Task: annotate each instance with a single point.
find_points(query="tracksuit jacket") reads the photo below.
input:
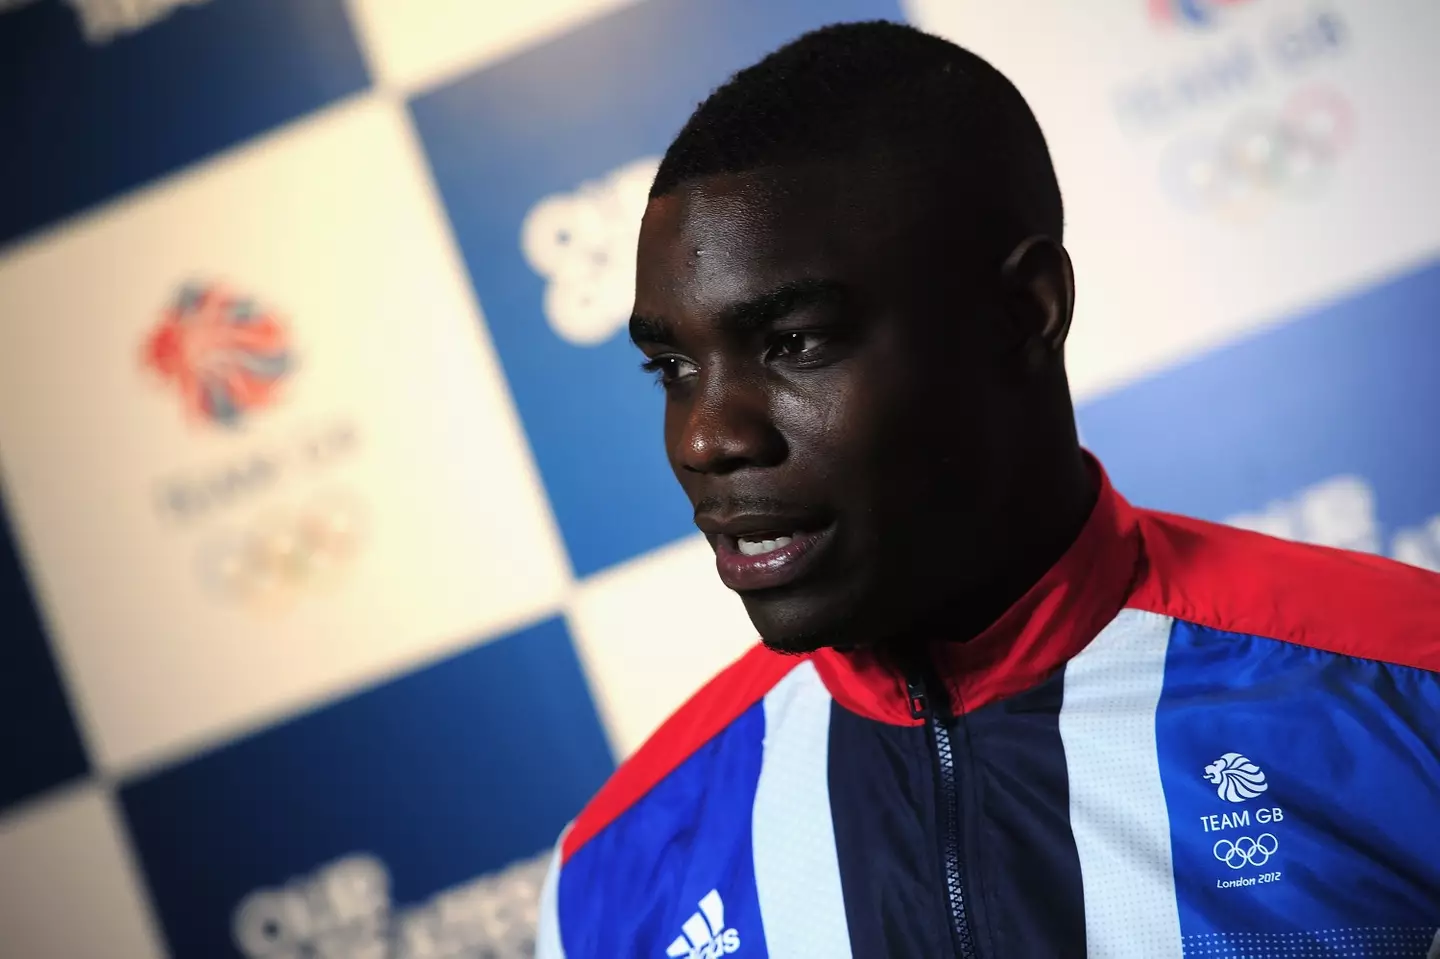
(1185, 740)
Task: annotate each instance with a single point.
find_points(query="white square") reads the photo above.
(651, 632)
(417, 43)
(175, 625)
(72, 888)
(1197, 226)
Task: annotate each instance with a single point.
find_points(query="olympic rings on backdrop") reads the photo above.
(283, 553)
(1261, 156)
(1246, 851)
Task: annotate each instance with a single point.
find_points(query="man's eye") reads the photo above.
(796, 344)
(669, 370)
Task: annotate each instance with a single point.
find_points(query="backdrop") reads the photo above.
(341, 563)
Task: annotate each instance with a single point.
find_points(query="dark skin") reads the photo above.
(841, 354)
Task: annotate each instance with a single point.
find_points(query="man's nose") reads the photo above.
(728, 427)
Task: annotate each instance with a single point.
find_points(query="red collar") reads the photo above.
(1052, 622)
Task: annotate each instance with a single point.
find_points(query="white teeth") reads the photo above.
(758, 547)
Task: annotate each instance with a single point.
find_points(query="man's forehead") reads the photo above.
(725, 237)
(717, 214)
(838, 190)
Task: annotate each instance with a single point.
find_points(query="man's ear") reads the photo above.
(1039, 285)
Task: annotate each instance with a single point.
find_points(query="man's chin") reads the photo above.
(786, 627)
(794, 645)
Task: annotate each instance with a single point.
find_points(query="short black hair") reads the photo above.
(849, 88)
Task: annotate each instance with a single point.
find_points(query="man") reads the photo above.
(998, 711)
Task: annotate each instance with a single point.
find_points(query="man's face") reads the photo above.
(827, 397)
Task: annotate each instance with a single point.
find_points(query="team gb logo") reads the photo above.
(1236, 778)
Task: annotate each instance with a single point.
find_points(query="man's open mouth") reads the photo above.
(765, 559)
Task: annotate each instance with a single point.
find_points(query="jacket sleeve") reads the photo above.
(547, 932)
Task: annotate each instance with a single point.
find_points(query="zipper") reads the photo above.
(963, 940)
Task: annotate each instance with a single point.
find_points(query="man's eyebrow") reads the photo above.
(759, 312)
(746, 317)
(649, 329)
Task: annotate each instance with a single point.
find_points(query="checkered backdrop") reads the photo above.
(340, 561)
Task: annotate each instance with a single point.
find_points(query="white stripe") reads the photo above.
(797, 873)
(1117, 804)
(547, 934)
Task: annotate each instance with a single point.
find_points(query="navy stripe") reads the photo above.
(882, 803)
(1022, 868)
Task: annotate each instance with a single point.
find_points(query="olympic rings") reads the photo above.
(273, 560)
(1246, 851)
(1261, 156)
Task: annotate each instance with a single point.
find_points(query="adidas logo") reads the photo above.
(705, 935)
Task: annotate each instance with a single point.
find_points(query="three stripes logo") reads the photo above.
(705, 935)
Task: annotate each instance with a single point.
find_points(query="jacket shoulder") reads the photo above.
(701, 718)
(1344, 602)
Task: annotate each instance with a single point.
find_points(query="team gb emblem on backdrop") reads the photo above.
(223, 354)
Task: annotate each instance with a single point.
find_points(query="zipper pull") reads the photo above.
(915, 690)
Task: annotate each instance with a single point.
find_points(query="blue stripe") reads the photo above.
(1340, 833)
(629, 890)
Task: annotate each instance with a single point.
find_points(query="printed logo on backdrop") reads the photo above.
(1190, 13)
(269, 563)
(405, 820)
(1342, 512)
(103, 20)
(223, 354)
(583, 244)
(1241, 122)
(1246, 837)
(228, 358)
(1261, 157)
(344, 910)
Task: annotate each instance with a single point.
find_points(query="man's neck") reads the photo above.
(1039, 524)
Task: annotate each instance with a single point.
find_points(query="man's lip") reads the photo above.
(779, 567)
(768, 525)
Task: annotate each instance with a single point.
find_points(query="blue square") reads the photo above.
(89, 120)
(1350, 389)
(544, 123)
(39, 744)
(439, 776)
